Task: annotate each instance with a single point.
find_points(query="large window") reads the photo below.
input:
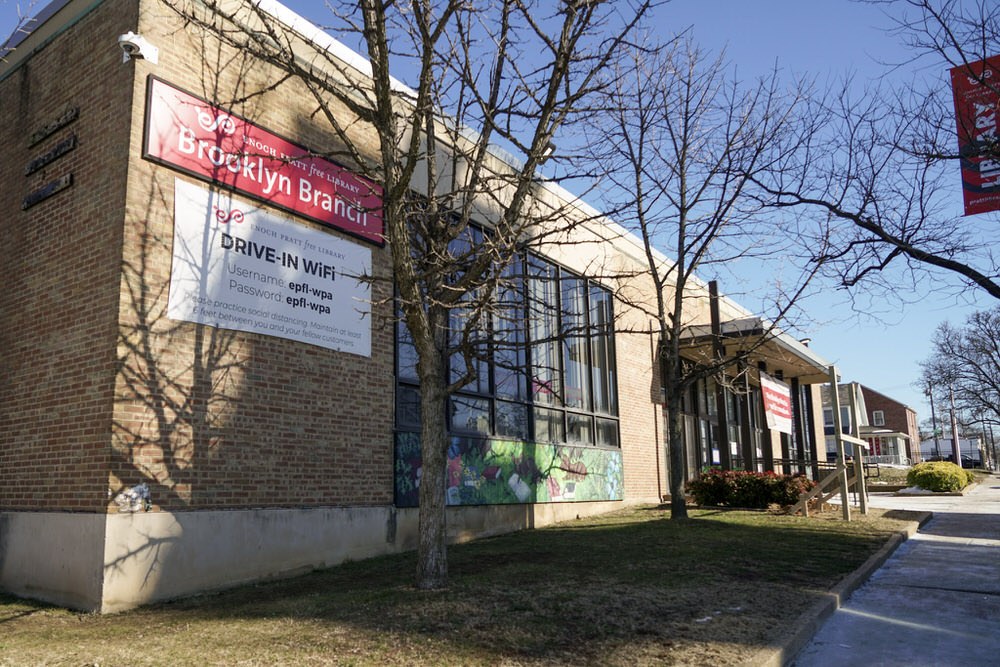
(544, 365)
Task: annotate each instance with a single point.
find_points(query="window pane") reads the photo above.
(406, 353)
(607, 432)
(470, 415)
(546, 387)
(602, 352)
(579, 429)
(474, 338)
(512, 420)
(407, 407)
(548, 425)
(510, 357)
(575, 363)
(574, 327)
(468, 330)
(711, 406)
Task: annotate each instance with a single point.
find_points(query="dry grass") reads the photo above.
(630, 588)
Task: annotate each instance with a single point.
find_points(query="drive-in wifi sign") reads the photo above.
(244, 267)
(208, 142)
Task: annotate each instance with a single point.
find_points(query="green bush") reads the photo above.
(738, 488)
(939, 476)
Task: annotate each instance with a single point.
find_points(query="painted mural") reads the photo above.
(494, 472)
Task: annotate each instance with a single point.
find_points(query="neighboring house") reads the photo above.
(889, 426)
(191, 401)
(853, 416)
(892, 430)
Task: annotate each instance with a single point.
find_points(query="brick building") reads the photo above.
(173, 418)
(893, 427)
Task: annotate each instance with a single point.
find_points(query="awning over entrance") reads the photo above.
(762, 342)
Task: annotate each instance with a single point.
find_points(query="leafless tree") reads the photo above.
(884, 180)
(967, 360)
(22, 25)
(482, 74)
(680, 142)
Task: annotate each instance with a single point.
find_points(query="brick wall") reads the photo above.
(898, 418)
(214, 418)
(59, 266)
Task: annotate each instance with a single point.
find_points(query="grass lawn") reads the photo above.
(629, 588)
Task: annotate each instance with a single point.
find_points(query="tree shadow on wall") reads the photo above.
(177, 382)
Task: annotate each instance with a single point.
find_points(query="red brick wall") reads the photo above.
(897, 417)
(59, 267)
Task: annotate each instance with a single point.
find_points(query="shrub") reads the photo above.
(791, 487)
(738, 488)
(939, 476)
(712, 487)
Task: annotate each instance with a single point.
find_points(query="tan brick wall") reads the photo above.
(60, 265)
(213, 418)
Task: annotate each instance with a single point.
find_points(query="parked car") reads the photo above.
(967, 461)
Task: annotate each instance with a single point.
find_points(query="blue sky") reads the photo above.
(826, 39)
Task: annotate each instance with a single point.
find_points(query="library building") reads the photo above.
(203, 386)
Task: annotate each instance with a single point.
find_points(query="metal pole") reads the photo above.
(937, 447)
(956, 449)
(993, 446)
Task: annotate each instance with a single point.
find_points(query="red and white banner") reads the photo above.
(977, 115)
(190, 134)
(777, 403)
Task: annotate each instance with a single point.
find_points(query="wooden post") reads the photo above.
(859, 450)
(845, 504)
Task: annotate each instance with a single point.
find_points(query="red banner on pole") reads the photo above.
(976, 87)
(190, 134)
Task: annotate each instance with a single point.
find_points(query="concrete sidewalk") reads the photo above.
(936, 601)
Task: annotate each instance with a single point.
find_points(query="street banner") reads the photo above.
(244, 267)
(777, 403)
(976, 87)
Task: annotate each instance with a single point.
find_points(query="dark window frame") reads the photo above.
(604, 424)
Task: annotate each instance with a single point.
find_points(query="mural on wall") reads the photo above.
(496, 472)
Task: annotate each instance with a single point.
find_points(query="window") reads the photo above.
(545, 369)
(845, 420)
(878, 418)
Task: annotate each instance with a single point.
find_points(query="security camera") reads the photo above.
(136, 46)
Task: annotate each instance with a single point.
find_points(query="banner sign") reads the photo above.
(978, 119)
(187, 133)
(777, 403)
(242, 267)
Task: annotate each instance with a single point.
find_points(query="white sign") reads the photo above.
(777, 403)
(239, 266)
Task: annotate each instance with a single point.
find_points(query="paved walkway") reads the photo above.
(936, 601)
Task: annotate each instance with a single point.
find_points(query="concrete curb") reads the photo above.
(809, 623)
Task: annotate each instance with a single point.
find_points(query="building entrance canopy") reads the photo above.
(759, 341)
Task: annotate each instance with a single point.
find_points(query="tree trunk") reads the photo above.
(678, 501)
(670, 365)
(432, 549)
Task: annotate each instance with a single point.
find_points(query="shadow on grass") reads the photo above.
(630, 587)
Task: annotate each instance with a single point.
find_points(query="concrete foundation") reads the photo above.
(113, 562)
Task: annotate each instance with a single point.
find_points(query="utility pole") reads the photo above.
(993, 447)
(956, 450)
(937, 447)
